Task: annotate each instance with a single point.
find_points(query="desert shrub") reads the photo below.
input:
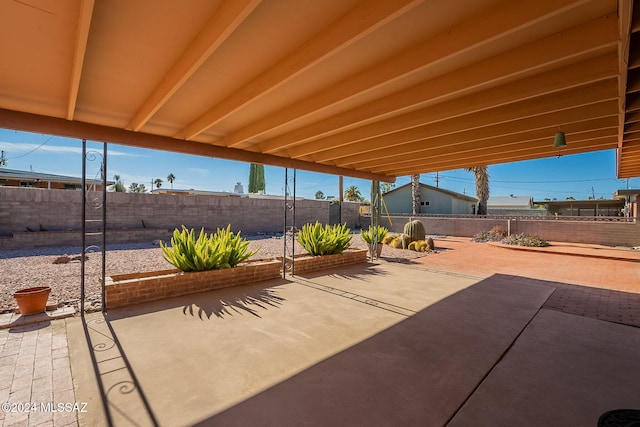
(413, 246)
(524, 239)
(222, 249)
(499, 230)
(487, 236)
(324, 240)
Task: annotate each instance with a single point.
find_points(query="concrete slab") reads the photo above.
(564, 370)
(348, 348)
(417, 372)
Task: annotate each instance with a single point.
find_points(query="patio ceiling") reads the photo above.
(372, 89)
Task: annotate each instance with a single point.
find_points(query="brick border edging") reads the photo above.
(307, 263)
(568, 253)
(130, 289)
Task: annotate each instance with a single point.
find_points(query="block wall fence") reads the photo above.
(610, 233)
(59, 212)
(144, 217)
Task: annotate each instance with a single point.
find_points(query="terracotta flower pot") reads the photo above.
(32, 300)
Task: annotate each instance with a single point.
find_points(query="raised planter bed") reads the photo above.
(128, 289)
(306, 263)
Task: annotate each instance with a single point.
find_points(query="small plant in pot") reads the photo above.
(374, 237)
(32, 300)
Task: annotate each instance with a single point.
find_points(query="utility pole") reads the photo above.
(437, 179)
(593, 194)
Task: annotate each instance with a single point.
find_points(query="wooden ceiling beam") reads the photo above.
(544, 106)
(468, 141)
(357, 23)
(625, 15)
(566, 77)
(427, 165)
(82, 36)
(224, 21)
(27, 122)
(472, 34)
(461, 109)
(491, 148)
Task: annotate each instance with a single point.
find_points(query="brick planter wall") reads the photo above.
(128, 289)
(306, 263)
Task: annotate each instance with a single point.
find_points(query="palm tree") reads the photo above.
(352, 194)
(482, 187)
(158, 182)
(415, 193)
(118, 187)
(171, 177)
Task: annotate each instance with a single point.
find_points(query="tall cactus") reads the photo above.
(415, 230)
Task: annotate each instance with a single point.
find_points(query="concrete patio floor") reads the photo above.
(385, 344)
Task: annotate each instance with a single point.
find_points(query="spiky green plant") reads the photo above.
(324, 240)
(223, 249)
(374, 234)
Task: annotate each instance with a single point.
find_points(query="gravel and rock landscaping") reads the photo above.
(29, 268)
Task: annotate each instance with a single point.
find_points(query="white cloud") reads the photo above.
(200, 171)
(17, 149)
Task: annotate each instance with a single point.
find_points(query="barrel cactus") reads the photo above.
(396, 243)
(415, 230)
(430, 244)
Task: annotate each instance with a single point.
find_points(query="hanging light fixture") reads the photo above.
(560, 140)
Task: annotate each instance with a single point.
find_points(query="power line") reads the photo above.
(29, 152)
(531, 182)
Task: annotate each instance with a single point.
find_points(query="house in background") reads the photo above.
(512, 205)
(18, 178)
(599, 207)
(632, 199)
(433, 200)
(510, 202)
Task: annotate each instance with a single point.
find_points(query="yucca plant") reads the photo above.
(223, 249)
(374, 234)
(324, 240)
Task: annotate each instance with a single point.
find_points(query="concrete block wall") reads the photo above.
(610, 233)
(61, 211)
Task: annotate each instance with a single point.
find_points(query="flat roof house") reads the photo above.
(18, 178)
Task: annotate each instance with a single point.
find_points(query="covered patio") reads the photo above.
(373, 89)
(378, 344)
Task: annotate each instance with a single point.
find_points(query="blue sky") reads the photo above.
(579, 176)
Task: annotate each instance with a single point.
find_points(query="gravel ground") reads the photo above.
(29, 268)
